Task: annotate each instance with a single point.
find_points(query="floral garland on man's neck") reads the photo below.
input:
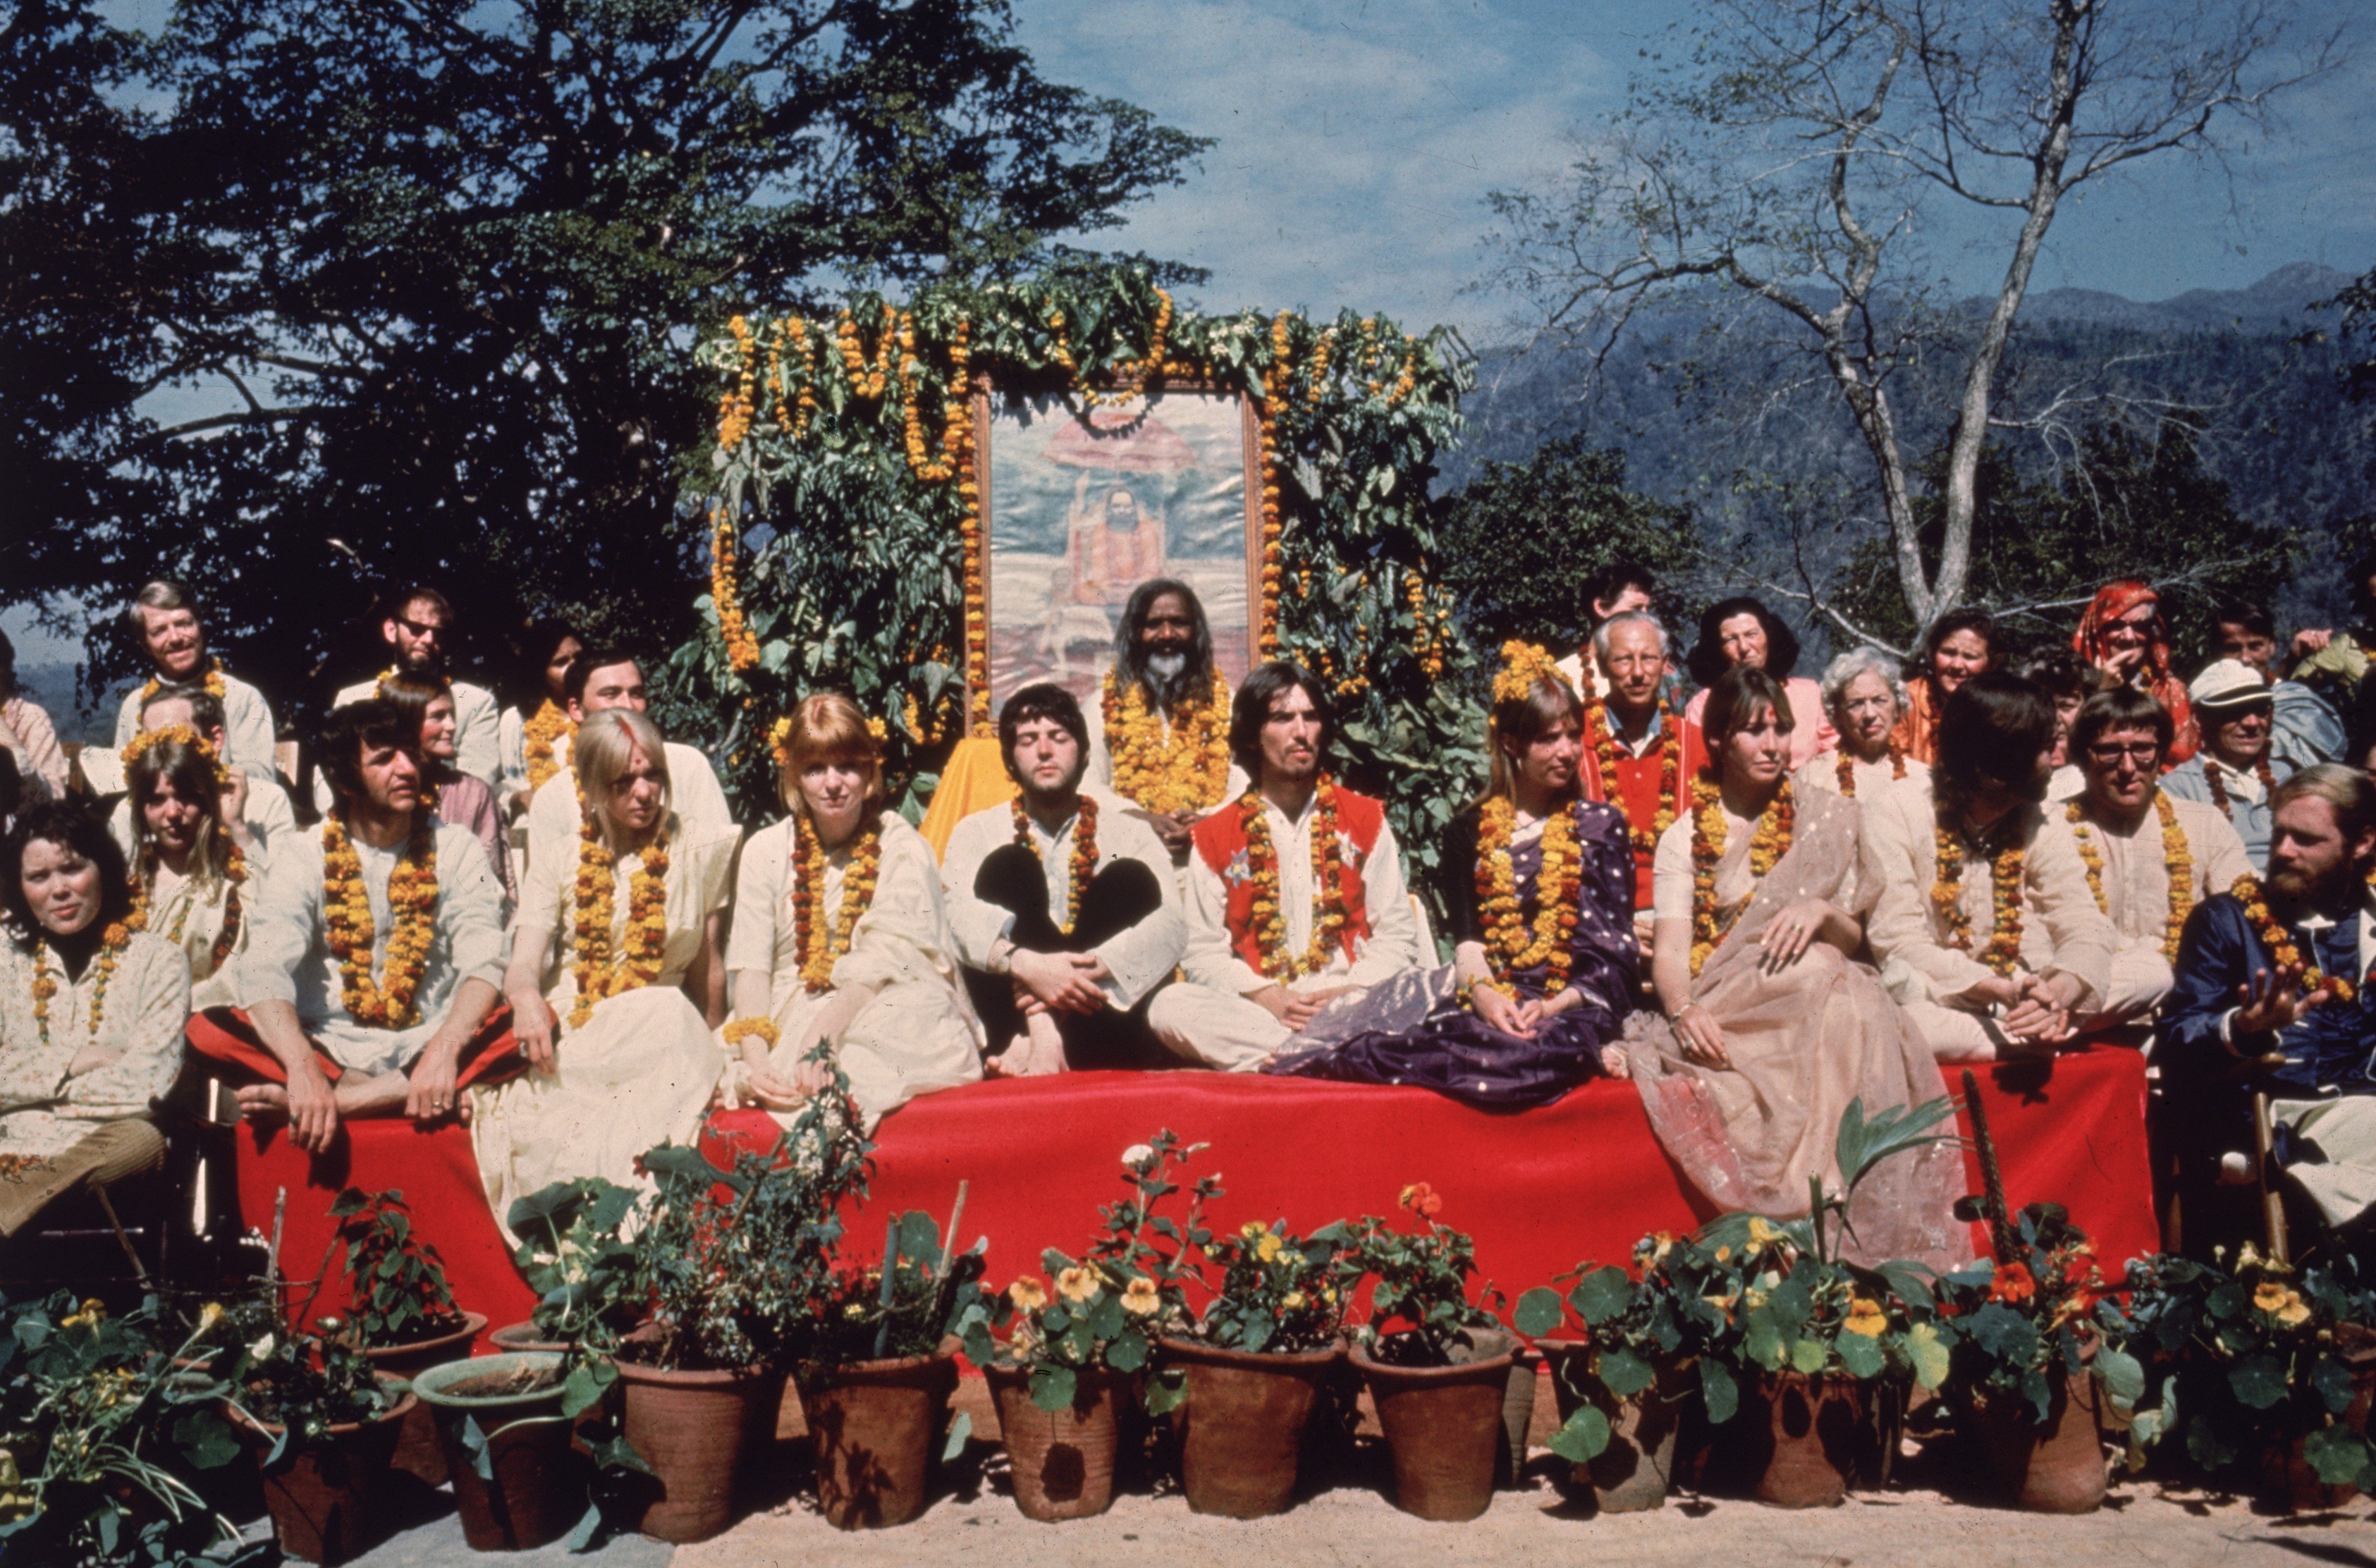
(1510, 948)
(2219, 797)
(1600, 733)
(820, 945)
(1084, 855)
(541, 735)
(1846, 767)
(1185, 770)
(2286, 958)
(1328, 886)
(2175, 854)
(639, 963)
(1768, 844)
(2002, 953)
(388, 1002)
(212, 684)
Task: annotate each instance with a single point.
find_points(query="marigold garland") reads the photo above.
(388, 1002)
(211, 683)
(739, 403)
(1511, 947)
(956, 415)
(638, 961)
(112, 943)
(821, 947)
(1328, 886)
(1845, 768)
(1186, 769)
(234, 875)
(869, 375)
(2175, 854)
(1767, 844)
(1525, 665)
(2279, 943)
(742, 1029)
(2219, 796)
(2002, 952)
(176, 734)
(742, 648)
(1601, 734)
(541, 734)
(1084, 866)
(1274, 399)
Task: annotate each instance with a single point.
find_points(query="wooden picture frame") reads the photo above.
(1045, 635)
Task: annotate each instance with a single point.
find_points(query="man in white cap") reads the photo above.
(2234, 770)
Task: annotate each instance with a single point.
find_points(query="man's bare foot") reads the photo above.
(1036, 1052)
(264, 1104)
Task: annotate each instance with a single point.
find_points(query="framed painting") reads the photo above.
(1081, 506)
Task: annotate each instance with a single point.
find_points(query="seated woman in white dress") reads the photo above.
(1766, 1025)
(621, 1056)
(840, 936)
(91, 1012)
(193, 869)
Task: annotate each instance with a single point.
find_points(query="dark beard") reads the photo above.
(2306, 892)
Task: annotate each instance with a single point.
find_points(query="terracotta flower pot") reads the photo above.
(2290, 1484)
(419, 1450)
(1062, 1461)
(538, 1489)
(1634, 1474)
(877, 1426)
(323, 1497)
(1444, 1427)
(1809, 1432)
(514, 1338)
(2055, 1466)
(1241, 1429)
(691, 1429)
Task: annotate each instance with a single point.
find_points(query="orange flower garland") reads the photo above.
(795, 406)
(870, 378)
(639, 963)
(2279, 943)
(1084, 855)
(544, 728)
(1328, 886)
(1846, 767)
(820, 946)
(2176, 857)
(2002, 953)
(211, 683)
(176, 734)
(2219, 796)
(739, 403)
(1510, 947)
(954, 411)
(1186, 770)
(742, 648)
(1274, 399)
(1768, 844)
(1602, 736)
(387, 1003)
(112, 943)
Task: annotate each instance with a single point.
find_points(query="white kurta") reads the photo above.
(1824, 773)
(248, 724)
(2136, 891)
(53, 1097)
(640, 1071)
(287, 956)
(1209, 1017)
(190, 915)
(695, 796)
(1136, 960)
(918, 1033)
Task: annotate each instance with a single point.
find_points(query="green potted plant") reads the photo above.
(2265, 1372)
(1826, 1345)
(107, 1433)
(876, 1368)
(1257, 1364)
(2037, 1357)
(1437, 1363)
(399, 1312)
(519, 1478)
(1077, 1345)
(1622, 1385)
(572, 1255)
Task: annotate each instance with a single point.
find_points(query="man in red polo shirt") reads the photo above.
(1638, 758)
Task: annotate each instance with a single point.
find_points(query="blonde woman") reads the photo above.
(194, 866)
(840, 935)
(612, 947)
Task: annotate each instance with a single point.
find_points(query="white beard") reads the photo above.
(1167, 666)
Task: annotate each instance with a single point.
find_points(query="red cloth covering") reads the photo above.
(1540, 1191)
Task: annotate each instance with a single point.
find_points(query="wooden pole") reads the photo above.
(2273, 1202)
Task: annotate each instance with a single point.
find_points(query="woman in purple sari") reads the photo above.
(1538, 885)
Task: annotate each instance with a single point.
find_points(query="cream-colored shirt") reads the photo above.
(54, 1095)
(1136, 960)
(40, 761)
(1390, 947)
(2062, 931)
(699, 859)
(1824, 773)
(248, 724)
(902, 936)
(2136, 865)
(694, 795)
(266, 815)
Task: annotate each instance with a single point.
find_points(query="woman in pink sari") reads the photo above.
(1768, 1026)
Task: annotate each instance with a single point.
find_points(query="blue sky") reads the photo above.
(1356, 139)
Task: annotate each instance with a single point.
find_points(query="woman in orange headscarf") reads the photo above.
(2123, 638)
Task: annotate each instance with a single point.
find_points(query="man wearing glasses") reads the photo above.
(416, 623)
(2150, 858)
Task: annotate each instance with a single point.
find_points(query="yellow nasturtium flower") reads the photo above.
(1866, 1317)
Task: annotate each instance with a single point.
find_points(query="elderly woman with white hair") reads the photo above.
(1865, 697)
(620, 1055)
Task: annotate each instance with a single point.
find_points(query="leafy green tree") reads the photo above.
(1522, 543)
(449, 260)
(2121, 507)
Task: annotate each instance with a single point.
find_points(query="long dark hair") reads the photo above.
(1195, 680)
(1706, 660)
(1250, 710)
(409, 692)
(537, 644)
(193, 778)
(1740, 697)
(1993, 721)
(1946, 627)
(61, 822)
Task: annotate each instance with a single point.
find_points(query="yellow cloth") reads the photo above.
(975, 780)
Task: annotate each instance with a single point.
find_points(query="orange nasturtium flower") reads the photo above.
(2014, 1283)
(1420, 1198)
